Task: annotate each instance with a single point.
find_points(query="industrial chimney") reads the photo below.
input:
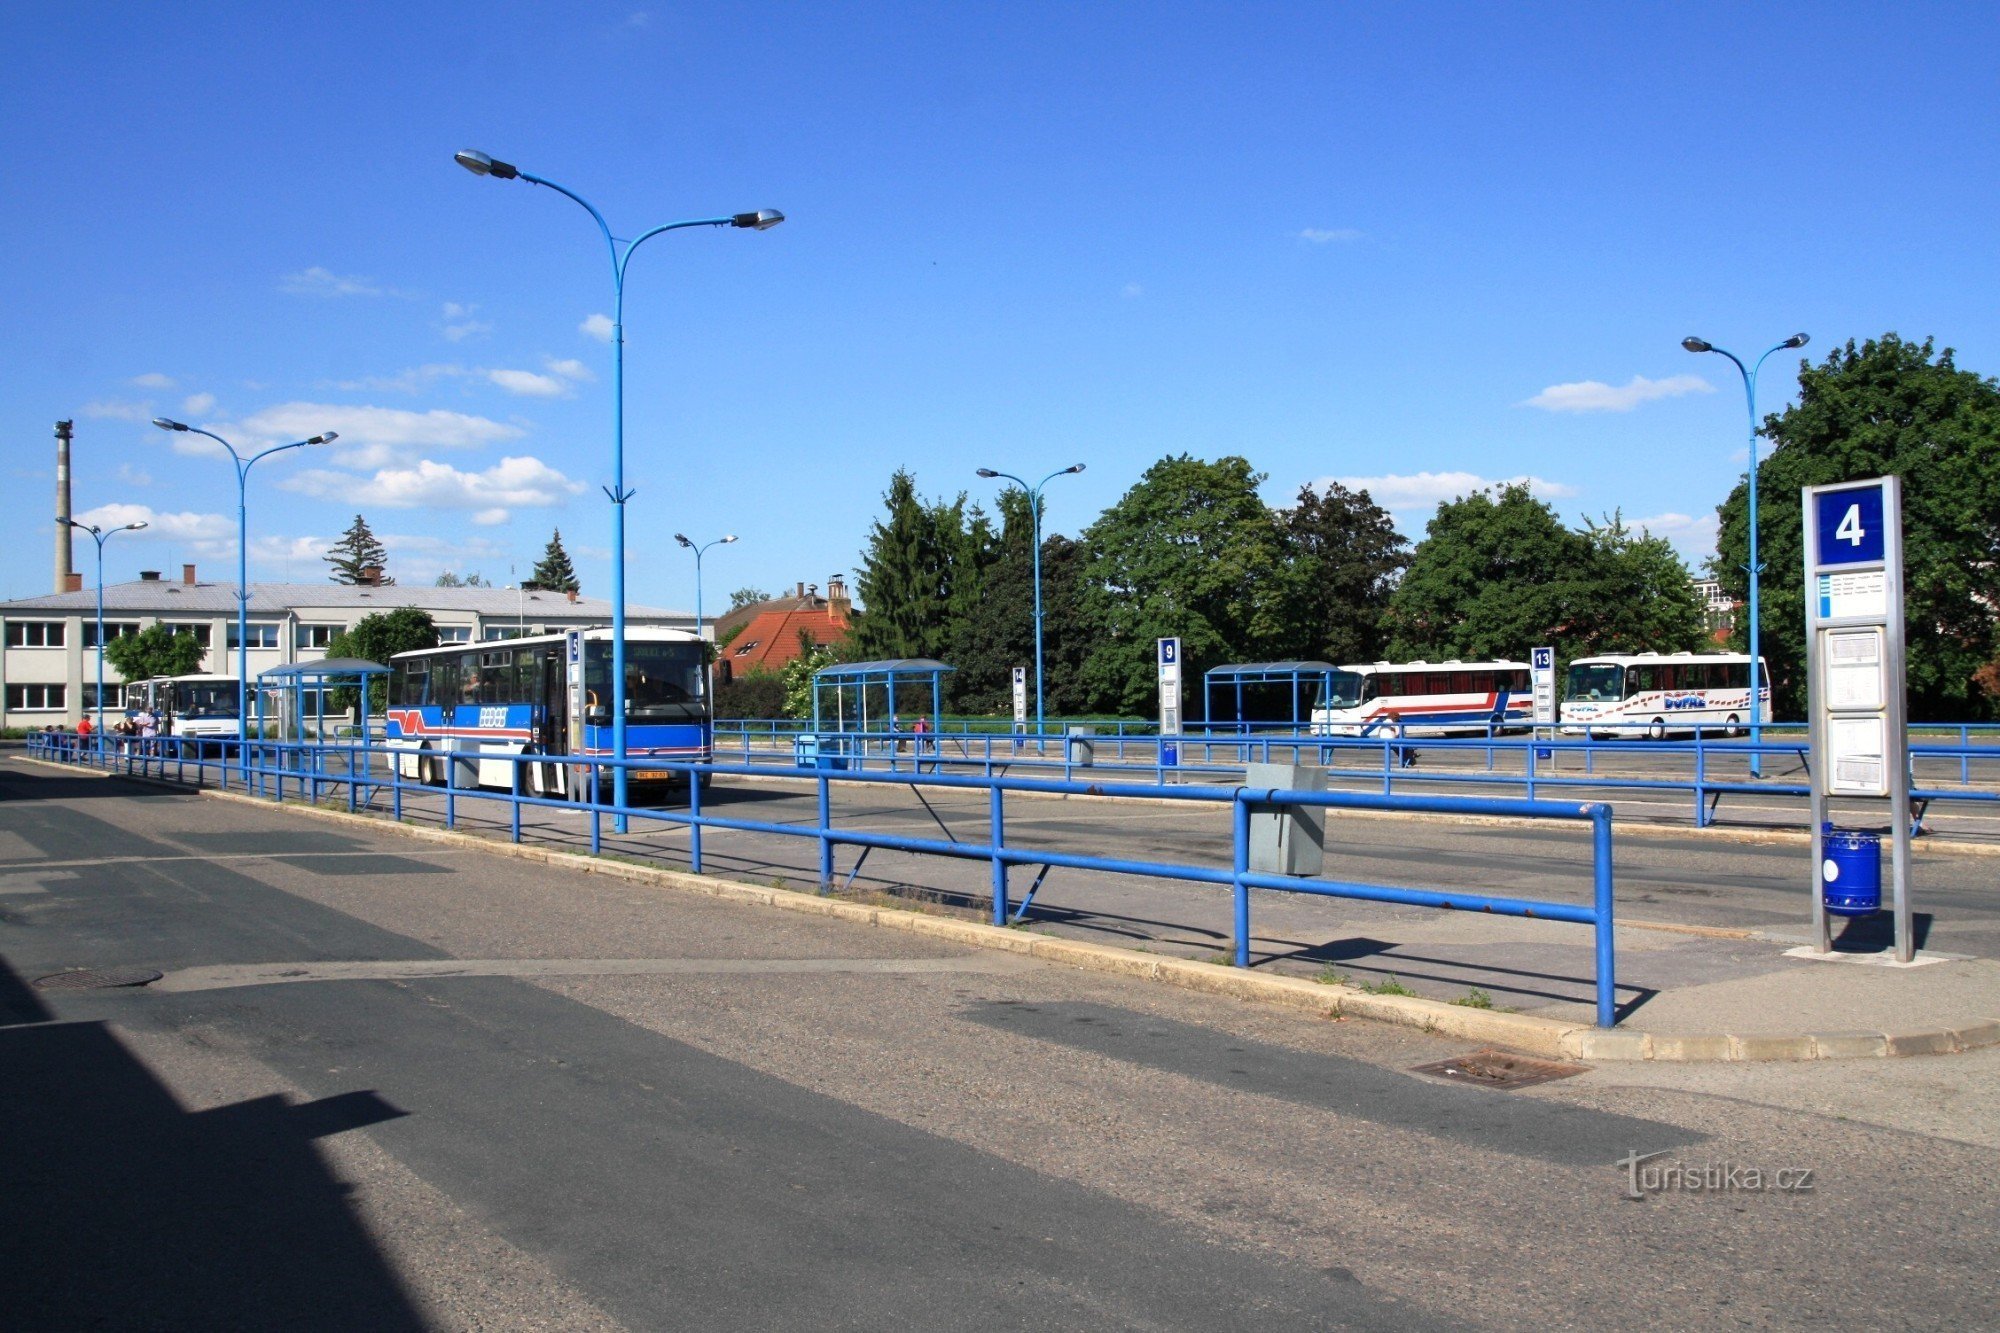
(64, 567)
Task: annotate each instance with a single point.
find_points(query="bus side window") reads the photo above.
(1638, 680)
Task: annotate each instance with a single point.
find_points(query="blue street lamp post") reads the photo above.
(1035, 511)
(1755, 569)
(479, 164)
(243, 466)
(707, 684)
(102, 535)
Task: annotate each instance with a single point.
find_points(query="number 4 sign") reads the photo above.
(1850, 526)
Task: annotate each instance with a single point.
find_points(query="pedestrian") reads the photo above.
(920, 728)
(147, 724)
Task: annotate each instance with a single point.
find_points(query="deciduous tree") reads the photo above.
(154, 651)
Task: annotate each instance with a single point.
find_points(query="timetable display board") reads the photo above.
(1855, 670)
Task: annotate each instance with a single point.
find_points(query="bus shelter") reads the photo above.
(1298, 683)
(854, 700)
(300, 689)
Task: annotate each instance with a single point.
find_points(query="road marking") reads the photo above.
(228, 975)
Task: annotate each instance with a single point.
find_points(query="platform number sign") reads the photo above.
(1545, 659)
(1850, 526)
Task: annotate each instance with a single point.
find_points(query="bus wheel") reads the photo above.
(428, 771)
(1658, 731)
(1735, 727)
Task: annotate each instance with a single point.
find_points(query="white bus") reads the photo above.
(194, 705)
(1653, 694)
(1425, 699)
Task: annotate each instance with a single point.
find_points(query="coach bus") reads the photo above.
(1654, 694)
(1425, 699)
(459, 712)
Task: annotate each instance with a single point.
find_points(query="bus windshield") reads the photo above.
(1601, 682)
(662, 680)
(216, 699)
(1342, 689)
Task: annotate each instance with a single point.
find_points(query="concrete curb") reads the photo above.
(1549, 1038)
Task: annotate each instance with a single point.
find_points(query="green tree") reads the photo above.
(355, 553)
(448, 579)
(1070, 631)
(1638, 595)
(1495, 575)
(553, 572)
(377, 638)
(1886, 406)
(907, 575)
(1348, 554)
(798, 675)
(743, 597)
(1191, 551)
(754, 694)
(154, 651)
(997, 633)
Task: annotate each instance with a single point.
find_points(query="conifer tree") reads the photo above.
(357, 551)
(553, 572)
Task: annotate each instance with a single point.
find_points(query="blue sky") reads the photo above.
(1423, 247)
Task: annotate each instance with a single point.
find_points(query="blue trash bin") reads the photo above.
(1851, 874)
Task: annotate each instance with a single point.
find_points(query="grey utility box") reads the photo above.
(1082, 747)
(1286, 839)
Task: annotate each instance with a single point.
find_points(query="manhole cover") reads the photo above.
(101, 978)
(1498, 1069)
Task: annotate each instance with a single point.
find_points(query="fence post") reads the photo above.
(596, 814)
(997, 835)
(694, 826)
(1607, 951)
(514, 793)
(1240, 810)
(825, 828)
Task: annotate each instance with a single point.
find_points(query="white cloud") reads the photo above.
(1413, 490)
(528, 383)
(186, 526)
(459, 323)
(597, 326)
(317, 281)
(512, 483)
(374, 437)
(279, 550)
(1596, 396)
(153, 379)
(1328, 235)
(1694, 535)
(570, 369)
(198, 404)
(113, 411)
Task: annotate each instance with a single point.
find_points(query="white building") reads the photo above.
(48, 670)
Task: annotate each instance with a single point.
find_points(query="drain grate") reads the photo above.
(99, 978)
(1497, 1069)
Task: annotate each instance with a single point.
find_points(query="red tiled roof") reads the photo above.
(771, 639)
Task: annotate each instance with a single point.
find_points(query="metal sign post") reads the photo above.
(1020, 698)
(1170, 703)
(1543, 662)
(1855, 674)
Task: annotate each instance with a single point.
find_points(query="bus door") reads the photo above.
(553, 693)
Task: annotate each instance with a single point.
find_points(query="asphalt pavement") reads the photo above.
(383, 1083)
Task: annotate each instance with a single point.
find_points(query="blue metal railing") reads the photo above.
(311, 768)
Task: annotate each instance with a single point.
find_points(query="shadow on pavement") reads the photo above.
(122, 1209)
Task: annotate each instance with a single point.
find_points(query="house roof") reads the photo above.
(165, 597)
(771, 639)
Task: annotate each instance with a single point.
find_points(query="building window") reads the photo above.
(199, 631)
(261, 636)
(454, 634)
(495, 633)
(744, 651)
(36, 698)
(34, 634)
(317, 636)
(113, 629)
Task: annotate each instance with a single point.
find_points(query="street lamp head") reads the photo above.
(1077, 468)
(681, 537)
(165, 424)
(730, 538)
(1696, 345)
(132, 527)
(762, 220)
(1797, 340)
(988, 473)
(327, 438)
(479, 164)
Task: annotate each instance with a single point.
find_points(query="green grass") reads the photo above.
(1474, 999)
(1388, 986)
(1326, 976)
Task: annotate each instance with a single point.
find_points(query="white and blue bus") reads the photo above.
(1652, 694)
(194, 705)
(1425, 699)
(459, 712)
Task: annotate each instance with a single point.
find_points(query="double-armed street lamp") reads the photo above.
(243, 466)
(763, 219)
(1034, 494)
(707, 692)
(102, 535)
(1749, 375)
